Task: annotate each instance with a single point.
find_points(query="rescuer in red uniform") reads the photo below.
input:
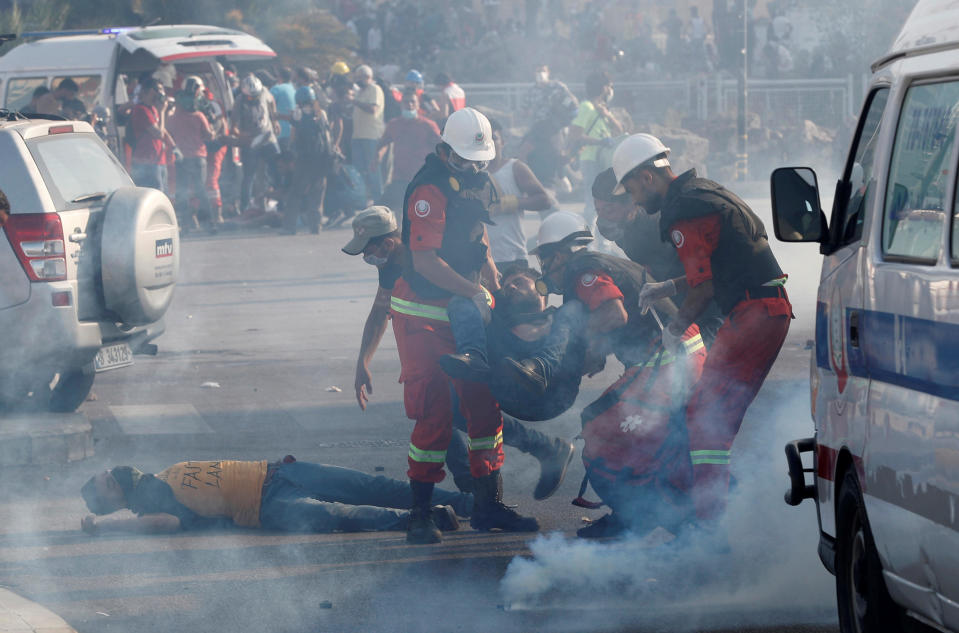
(725, 252)
(444, 212)
(635, 439)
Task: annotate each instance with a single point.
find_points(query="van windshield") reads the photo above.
(75, 166)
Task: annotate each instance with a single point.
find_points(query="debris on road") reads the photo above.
(210, 385)
(326, 604)
(379, 469)
(333, 389)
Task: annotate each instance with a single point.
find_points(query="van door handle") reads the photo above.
(78, 237)
(854, 328)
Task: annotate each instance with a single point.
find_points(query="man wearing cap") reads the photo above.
(445, 210)
(376, 236)
(726, 256)
(636, 231)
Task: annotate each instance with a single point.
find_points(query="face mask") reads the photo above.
(609, 95)
(542, 77)
(408, 114)
(610, 230)
(466, 166)
(373, 260)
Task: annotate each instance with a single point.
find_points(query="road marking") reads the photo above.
(156, 419)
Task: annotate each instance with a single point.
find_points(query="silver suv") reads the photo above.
(88, 263)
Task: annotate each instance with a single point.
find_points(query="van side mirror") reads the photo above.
(797, 214)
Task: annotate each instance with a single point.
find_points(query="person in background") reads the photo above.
(284, 94)
(367, 129)
(412, 137)
(287, 495)
(340, 114)
(312, 163)
(149, 136)
(591, 130)
(550, 107)
(415, 82)
(520, 191)
(452, 97)
(253, 127)
(51, 102)
(74, 110)
(38, 93)
(191, 131)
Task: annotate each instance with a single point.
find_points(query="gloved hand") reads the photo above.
(652, 292)
(484, 303)
(672, 341)
(177, 154)
(507, 205)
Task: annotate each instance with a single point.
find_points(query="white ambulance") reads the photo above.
(885, 371)
(103, 62)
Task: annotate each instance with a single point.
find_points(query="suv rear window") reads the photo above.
(75, 165)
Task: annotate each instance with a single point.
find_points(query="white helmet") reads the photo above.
(562, 229)
(468, 132)
(638, 149)
(251, 85)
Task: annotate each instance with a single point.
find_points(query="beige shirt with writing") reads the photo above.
(225, 488)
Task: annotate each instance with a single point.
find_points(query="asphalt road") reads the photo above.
(258, 362)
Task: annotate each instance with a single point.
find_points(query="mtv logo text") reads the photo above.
(164, 247)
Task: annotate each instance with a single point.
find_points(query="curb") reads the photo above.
(19, 615)
(44, 439)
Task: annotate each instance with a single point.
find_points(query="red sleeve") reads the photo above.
(140, 120)
(695, 240)
(427, 216)
(435, 128)
(595, 289)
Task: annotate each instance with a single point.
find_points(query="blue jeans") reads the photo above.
(364, 152)
(305, 497)
(149, 175)
(191, 183)
(469, 329)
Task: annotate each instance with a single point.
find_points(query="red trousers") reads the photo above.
(745, 348)
(422, 336)
(214, 168)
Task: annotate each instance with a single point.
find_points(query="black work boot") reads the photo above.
(529, 373)
(489, 513)
(554, 459)
(421, 529)
(469, 366)
(444, 517)
(607, 526)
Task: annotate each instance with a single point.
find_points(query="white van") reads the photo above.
(101, 62)
(885, 371)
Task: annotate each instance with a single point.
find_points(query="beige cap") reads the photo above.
(368, 224)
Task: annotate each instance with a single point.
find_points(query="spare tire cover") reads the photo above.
(139, 254)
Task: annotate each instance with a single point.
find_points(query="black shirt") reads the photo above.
(389, 273)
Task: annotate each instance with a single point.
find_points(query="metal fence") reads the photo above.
(827, 102)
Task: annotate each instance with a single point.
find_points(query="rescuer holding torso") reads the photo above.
(444, 212)
(725, 253)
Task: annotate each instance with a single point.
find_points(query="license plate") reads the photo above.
(113, 356)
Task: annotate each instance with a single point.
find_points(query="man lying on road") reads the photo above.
(289, 496)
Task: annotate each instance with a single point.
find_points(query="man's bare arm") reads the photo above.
(610, 315)
(696, 301)
(160, 523)
(373, 332)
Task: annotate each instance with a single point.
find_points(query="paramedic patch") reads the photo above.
(588, 280)
(421, 208)
(678, 238)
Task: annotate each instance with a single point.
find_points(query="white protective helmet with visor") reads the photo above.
(638, 150)
(468, 133)
(561, 229)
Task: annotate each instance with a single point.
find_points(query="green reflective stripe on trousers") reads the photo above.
(419, 455)
(485, 443)
(692, 346)
(403, 306)
(719, 458)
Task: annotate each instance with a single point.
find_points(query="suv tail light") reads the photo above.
(37, 239)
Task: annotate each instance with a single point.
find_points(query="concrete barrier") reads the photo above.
(44, 439)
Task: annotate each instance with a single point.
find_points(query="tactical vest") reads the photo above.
(468, 197)
(742, 260)
(631, 342)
